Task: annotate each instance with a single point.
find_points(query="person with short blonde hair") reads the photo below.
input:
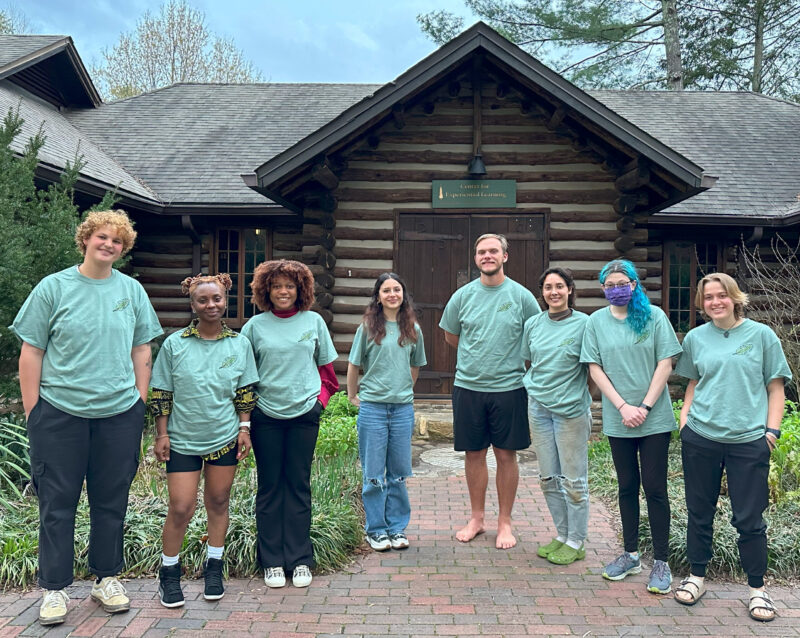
(731, 419)
(84, 368)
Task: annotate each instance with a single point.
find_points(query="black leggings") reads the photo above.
(649, 470)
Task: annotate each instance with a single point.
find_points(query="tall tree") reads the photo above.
(717, 44)
(174, 45)
(13, 20)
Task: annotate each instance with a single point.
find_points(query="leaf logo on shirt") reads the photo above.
(567, 342)
(227, 363)
(642, 337)
(744, 349)
(306, 336)
(122, 304)
(505, 306)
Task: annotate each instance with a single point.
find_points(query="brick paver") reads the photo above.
(438, 587)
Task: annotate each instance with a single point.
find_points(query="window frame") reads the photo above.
(239, 320)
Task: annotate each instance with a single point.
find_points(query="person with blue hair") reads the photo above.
(629, 346)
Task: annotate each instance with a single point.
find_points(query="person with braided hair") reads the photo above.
(202, 393)
(629, 347)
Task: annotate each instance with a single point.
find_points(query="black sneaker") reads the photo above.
(169, 586)
(212, 574)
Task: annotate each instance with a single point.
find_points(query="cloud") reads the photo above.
(357, 36)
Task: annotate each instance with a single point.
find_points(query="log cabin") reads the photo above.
(359, 179)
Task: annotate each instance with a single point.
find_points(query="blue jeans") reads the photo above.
(384, 445)
(562, 451)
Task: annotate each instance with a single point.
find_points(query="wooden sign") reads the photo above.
(474, 193)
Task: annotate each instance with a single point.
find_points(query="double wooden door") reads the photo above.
(435, 257)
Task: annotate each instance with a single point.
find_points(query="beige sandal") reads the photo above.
(694, 587)
(761, 600)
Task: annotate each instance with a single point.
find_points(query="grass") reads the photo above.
(782, 515)
(336, 525)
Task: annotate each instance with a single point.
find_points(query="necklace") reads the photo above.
(726, 332)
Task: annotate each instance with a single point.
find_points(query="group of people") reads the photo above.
(85, 371)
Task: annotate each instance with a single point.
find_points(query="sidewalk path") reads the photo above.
(436, 587)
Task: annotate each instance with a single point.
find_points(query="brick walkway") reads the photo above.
(437, 587)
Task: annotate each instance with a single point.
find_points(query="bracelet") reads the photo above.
(645, 406)
(161, 436)
(244, 431)
(774, 432)
(244, 424)
(622, 405)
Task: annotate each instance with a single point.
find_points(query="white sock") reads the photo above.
(214, 552)
(634, 555)
(574, 544)
(561, 539)
(169, 561)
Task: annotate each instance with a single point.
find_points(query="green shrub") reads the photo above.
(782, 515)
(15, 464)
(336, 514)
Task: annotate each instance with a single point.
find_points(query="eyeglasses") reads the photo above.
(619, 285)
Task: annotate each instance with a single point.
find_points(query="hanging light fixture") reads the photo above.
(476, 166)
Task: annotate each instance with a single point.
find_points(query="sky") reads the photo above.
(287, 40)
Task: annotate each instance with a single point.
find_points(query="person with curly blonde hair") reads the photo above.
(84, 369)
(294, 354)
(203, 391)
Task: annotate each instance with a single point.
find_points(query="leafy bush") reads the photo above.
(782, 515)
(336, 514)
(15, 465)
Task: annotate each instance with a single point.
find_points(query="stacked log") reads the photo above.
(317, 251)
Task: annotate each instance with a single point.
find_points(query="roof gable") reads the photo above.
(49, 67)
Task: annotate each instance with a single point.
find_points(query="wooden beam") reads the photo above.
(633, 179)
(321, 217)
(398, 116)
(558, 116)
(626, 204)
(322, 200)
(323, 174)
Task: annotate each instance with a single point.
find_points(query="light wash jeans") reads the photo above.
(384, 445)
(562, 451)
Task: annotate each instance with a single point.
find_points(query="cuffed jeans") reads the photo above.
(747, 467)
(561, 446)
(64, 450)
(384, 445)
(284, 449)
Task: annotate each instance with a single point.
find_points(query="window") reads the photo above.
(239, 251)
(686, 263)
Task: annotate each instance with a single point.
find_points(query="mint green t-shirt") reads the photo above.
(489, 321)
(730, 398)
(203, 376)
(87, 328)
(557, 379)
(288, 353)
(387, 367)
(629, 361)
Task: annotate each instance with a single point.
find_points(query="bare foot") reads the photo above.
(505, 539)
(470, 530)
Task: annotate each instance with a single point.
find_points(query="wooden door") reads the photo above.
(434, 256)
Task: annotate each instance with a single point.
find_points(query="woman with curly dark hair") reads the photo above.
(202, 394)
(388, 346)
(294, 353)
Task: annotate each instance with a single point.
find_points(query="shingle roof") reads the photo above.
(64, 142)
(192, 142)
(751, 142)
(14, 47)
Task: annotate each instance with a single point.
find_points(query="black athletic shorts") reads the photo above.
(496, 418)
(192, 463)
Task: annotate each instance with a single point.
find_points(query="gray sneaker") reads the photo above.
(622, 566)
(660, 578)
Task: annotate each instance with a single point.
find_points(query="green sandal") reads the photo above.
(566, 555)
(545, 550)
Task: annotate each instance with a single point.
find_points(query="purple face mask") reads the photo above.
(618, 296)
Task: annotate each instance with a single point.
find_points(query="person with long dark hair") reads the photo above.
(731, 419)
(388, 346)
(83, 372)
(294, 353)
(629, 347)
(559, 413)
(202, 393)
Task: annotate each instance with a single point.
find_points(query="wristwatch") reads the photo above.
(774, 432)
(645, 406)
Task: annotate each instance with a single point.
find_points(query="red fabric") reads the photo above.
(330, 384)
(285, 314)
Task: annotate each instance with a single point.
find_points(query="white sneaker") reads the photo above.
(379, 542)
(274, 577)
(54, 607)
(301, 577)
(111, 595)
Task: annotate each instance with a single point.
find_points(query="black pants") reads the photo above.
(643, 461)
(284, 449)
(747, 467)
(64, 450)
